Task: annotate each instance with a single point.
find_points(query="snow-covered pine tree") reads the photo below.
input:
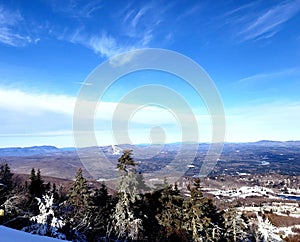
(77, 213)
(267, 232)
(200, 216)
(100, 210)
(125, 222)
(235, 227)
(46, 223)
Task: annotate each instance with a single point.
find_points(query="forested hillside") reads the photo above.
(87, 211)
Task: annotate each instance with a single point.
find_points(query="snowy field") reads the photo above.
(245, 191)
(12, 235)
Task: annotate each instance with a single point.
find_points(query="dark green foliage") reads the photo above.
(100, 211)
(77, 214)
(87, 211)
(6, 176)
(55, 193)
(236, 227)
(169, 214)
(201, 217)
(36, 187)
(6, 183)
(126, 161)
(100, 197)
(79, 192)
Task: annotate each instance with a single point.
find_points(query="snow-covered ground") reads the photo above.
(12, 235)
(245, 191)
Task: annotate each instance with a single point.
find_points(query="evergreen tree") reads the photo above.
(125, 220)
(55, 193)
(235, 227)
(6, 183)
(6, 176)
(200, 215)
(100, 197)
(100, 210)
(36, 186)
(79, 192)
(77, 214)
(46, 222)
(169, 214)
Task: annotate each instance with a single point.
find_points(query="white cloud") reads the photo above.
(264, 77)
(135, 30)
(269, 23)
(190, 12)
(240, 8)
(106, 45)
(42, 117)
(9, 18)
(83, 83)
(10, 33)
(47, 119)
(273, 121)
(123, 59)
(135, 20)
(35, 103)
(32, 114)
(77, 9)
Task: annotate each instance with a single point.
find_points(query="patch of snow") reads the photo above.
(243, 174)
(244, 192)
(116, 150)
(191, 166)
(12, 235)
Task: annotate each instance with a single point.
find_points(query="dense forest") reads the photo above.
(132, 212)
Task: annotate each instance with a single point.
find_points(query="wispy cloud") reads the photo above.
(132, 27)
(135, 31)
(105, 45)
(77, 8)
(141, 22)
(123, 59)
(255, 25)
(264, 77)
(190, 11)
(240, 8)
(10, 37)
(83, 83)
(268, 86)
(10, 33)
(140, 13)
(268, 24)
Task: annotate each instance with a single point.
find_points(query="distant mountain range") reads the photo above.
(47, 149)
(262, 157)
(28, 151)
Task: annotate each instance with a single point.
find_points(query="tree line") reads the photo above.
(131, 213)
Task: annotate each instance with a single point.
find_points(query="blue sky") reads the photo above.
(251, 50)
